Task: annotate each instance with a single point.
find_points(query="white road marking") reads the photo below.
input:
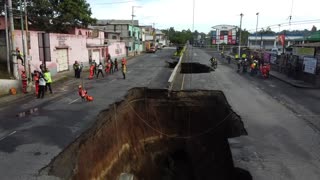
(74, 100)
(194, 54)
(112, 80)
(128, 72)
(8, 135)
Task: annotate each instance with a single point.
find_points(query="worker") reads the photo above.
(92, 67)
(19, 56)
(124, 61)
(100, 68)
(108, 67)
(42, 86)
(36, 81)
(84, 94)
(116, 65)
(244, 56)
(236, 57)
(47, 77)
(124, 70)
(24, 82)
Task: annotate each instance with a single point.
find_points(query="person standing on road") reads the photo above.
(36, 81)
(76, 68)
(24, 82)
(116, 64)
(95, 67)
(42, 85)
(100, 68)
(124, 70)
(47, 77)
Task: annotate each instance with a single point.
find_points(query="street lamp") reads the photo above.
(240, 34)
(257, 28)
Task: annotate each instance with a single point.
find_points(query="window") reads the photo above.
(114, 37)
(129, 33)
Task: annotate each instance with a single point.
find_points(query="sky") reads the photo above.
(208, 13)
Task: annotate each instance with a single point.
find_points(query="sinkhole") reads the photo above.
(153, 134)
(195, 67)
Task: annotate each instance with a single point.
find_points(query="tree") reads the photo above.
(55, 15)
(314, 28)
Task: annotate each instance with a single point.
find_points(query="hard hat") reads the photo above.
(80, 86)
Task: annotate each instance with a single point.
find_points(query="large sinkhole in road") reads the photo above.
(154, 134)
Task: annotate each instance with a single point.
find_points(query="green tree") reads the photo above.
(55, 15)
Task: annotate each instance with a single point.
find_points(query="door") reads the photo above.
(96, 56)
(62, 60)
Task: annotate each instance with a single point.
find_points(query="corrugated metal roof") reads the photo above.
(316, 44)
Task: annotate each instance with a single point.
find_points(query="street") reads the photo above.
(282, 121)
(29, 143)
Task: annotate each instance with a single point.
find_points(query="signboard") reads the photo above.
(309, 65)
(299, 51)
(214, 41)
(273, 58)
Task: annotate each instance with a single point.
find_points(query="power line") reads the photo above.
(288, 24)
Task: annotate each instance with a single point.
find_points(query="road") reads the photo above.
(28, 143)
(283, 139)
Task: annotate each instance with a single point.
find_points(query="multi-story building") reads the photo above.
(129, 31)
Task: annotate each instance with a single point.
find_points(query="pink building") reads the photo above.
(62, 50)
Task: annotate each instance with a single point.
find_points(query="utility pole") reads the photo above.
(13, 52)
(7, 38)
(193, 15)
(23, 42)
(27, 38)
(132, 28)
(257, 28)
(240, 35)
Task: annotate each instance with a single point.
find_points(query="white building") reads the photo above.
(272, 41)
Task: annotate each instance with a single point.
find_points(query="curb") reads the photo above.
(175, 70)
(294, 85)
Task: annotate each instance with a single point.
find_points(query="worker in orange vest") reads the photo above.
(92, 69)
(24, 82)
(36, 81)
(124, 61)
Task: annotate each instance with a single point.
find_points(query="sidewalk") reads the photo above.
(61, 77)
(292, 82)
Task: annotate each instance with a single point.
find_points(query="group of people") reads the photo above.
(255, 65)
(42, 81)
(109, 68)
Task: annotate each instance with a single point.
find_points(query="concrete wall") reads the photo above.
(117, 50)
(6, 84)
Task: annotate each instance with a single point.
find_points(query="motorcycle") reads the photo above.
(214, 63)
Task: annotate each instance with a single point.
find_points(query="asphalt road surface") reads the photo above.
(28, 143)
(282, 121)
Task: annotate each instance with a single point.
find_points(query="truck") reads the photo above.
(150, 47)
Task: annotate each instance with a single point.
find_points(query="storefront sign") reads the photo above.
(299, 51)
(309, 65)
